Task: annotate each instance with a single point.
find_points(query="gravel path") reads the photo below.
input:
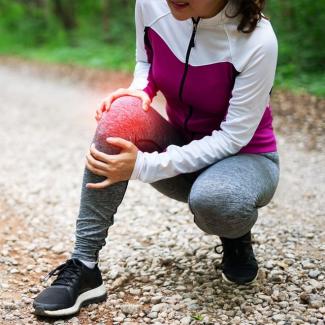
(157, 265)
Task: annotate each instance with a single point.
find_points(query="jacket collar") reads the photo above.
(219, 18)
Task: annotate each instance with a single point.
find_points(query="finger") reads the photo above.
(146, 101)
(101, 155)
(96, 163)
(120, 142)
(104, 157)
(96, 171)
(109, 99)
(103, 107)
(100, 185)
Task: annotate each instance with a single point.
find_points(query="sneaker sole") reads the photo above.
(244, 283)
(98, 294)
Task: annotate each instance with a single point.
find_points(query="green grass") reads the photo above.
(313, 83)
(88, 52)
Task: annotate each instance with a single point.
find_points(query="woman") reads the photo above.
(214, 61)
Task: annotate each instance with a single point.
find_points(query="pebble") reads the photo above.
(186, 320)
(130, 308)
(58, 248)
(313, 274)
(153, 315)
(156, 299)
(158, 307)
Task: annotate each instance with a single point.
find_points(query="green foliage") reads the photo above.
(299, 27)
(101, 34)
(198, 317)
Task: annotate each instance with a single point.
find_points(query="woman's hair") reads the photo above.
(250, 12)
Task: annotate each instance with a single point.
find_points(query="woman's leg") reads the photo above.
(149, 131)
(226, 196)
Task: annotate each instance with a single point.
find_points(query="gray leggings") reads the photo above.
(223, 197)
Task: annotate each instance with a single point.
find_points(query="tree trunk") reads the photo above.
(64, 10)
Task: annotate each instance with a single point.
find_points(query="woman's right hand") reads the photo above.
(106, 104)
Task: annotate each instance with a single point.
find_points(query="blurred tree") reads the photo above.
(106, 7)
(65, 11)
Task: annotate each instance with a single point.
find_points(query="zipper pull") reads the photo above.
(195, 23)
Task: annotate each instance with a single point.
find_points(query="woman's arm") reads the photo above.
(142, 73)
(250, 97)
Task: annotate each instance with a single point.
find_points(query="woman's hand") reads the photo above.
(106, 104)
(115, 167)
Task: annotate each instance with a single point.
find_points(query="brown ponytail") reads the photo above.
(250, 12)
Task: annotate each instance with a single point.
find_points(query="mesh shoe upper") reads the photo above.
(73, 278)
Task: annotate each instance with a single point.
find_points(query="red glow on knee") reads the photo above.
(127, 119)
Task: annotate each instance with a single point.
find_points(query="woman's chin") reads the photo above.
(179, 16)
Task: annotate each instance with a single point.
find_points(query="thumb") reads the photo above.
(120, 142)
(146, 101)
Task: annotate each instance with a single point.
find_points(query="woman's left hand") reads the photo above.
(115, 167)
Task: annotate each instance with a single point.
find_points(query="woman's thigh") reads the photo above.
(253, 176)
(177, 187)
(225, 198)
(242, 178)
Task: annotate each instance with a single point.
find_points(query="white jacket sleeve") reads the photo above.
(142, 79)
(250, 98)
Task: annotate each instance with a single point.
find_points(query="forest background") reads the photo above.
(101, 34)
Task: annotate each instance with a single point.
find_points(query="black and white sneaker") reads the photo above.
(76, 285)
(239, 265)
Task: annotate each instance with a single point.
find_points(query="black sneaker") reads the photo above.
(238, 263)
(76, 285)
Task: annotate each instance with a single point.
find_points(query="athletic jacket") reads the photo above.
(217, 83)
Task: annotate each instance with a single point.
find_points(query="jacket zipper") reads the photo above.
(181, 88)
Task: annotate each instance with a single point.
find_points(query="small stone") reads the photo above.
(307, 264)
(276, 276)
(153, 315)
(34, 290)
(14, 271)
(278, 317)
(283, 304)
(269, 265)
(316, 284)
(247, 309)
(316, 303)
(186, 320)
(9, 306)
(75, 321)
(130, 308)
(58, 248)
(305, 298)
(158, 307)
(313, 274)
(135, 291)
(119, 282)
(119, 319)
(156, 299)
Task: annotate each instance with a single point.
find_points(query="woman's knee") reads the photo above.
(126, 119)
(119, 121)
(223, 213)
